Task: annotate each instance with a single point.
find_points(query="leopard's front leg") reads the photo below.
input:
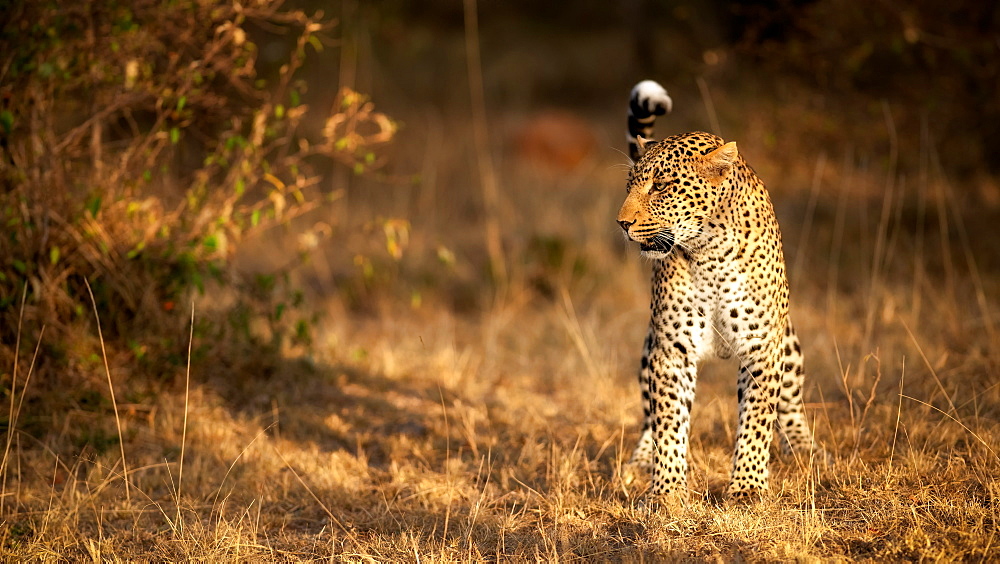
(758, 386)
(667, 376)
(671, 387)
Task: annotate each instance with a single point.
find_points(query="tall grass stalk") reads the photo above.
(487, 173)
(895, 428)
(11, 417)
(184, 428)
(706, 99)
(111, 390)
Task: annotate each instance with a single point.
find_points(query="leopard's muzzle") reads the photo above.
(659, 244)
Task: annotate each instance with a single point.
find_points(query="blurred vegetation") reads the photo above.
(140, 147)
(929, 58)
(935, 63)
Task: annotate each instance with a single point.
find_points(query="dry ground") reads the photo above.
(417, 433)
(439, 419)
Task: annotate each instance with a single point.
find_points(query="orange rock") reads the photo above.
(555, 139)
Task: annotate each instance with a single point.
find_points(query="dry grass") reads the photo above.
(437, 420)
(420, 434)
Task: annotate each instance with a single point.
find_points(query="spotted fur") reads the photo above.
(719, 288)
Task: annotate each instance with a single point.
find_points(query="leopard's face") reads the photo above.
(673, 190)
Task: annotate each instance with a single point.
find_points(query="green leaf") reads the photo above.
(54, 255)
(279, 111)
(241, 186)
(235, 141)
(175, 135)
(138, 349)
(134, 252)
(302, 332)
(198, 282)
(181, 102)
(266, 282)
(20, 266)
(93, 206)
(7, 121)
(255, 218)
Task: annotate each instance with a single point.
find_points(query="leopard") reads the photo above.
(704, 219)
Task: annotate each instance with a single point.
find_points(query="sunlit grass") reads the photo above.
(435, 436)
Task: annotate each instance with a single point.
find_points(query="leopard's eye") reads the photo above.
(660, 186)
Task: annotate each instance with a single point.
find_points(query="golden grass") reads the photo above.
(415, 454)
(434, 436)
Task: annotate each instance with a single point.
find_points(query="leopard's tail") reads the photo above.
(648, 100)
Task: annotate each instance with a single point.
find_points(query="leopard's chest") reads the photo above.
(693, 295)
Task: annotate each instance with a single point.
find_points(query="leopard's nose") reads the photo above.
(625, 224)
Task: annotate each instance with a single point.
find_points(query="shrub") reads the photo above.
(139, 144)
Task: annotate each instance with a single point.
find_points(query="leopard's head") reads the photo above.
(673, 190)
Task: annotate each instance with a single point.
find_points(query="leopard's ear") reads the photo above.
(638, 146)
(641, 142)
(719, 162)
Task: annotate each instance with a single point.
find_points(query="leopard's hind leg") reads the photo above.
(642, 456)
(791, 424)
